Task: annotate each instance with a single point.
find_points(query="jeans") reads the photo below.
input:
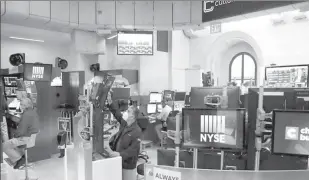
(129, 174)
(11, 149)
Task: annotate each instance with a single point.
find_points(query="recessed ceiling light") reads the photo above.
(26, 39)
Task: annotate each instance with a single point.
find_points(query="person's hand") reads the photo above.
(164, 124)
(114, 154)
(109, 98)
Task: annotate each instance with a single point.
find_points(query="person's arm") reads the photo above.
(163, 115)
(132, 149)
(23, 125)
(116, 112)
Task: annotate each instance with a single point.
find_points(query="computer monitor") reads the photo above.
(159, 108)
(180, 96)
(301, 98)
(214, 128)
(151, 108)
(290, 132)
(198, 93)
(155, 97)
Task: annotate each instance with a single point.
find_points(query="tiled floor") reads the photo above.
(53, 169)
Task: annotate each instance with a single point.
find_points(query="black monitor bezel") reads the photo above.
(214, 148)
(273, 131)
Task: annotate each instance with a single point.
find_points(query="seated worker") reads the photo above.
(166, 110)
(126, 142)
(28, 125)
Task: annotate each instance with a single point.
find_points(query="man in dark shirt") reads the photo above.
(126, 142)
(28, 125)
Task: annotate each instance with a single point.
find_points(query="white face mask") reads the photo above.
(125, 115)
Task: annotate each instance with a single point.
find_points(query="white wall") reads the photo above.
(34, 51)
(153, 70)
(180, 60)
(283, 45)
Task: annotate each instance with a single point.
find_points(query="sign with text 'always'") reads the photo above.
(37, 72)
(163, 174)
(216, 10)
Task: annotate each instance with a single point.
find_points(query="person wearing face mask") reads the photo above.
(28, 125)
(126, 142)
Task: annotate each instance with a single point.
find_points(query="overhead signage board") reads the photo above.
(37, 72)
(215, 10)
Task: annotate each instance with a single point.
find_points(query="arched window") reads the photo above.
(243, 69)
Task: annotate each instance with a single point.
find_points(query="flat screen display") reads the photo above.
(180, 96)
(290, 132)
(37, 72)
(151, 108)
(155, 97)
(287, 76)
(214, 128)
(135, 43)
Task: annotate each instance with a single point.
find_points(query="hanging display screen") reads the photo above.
(290, 132)
(37, 72)
(287, 76)
(214, 128)
(135, 43)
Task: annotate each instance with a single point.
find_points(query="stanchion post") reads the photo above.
(177, 139)
(195, 158)
(224, 105)
(259, 120)
(222, 161)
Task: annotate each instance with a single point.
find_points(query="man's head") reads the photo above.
(132, 115)
(25, 104)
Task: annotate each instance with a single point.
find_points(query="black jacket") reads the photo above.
(128, 138)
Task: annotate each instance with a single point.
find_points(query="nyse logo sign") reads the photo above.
(212, 129)
(296, 133)
(209, 6)
(37, 72)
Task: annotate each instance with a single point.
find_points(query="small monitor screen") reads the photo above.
(180, 96)
(213, 128)
(151, 108)
(37, 72)
(155, 97)
(135, 43)
(159, 107)
(291, 132)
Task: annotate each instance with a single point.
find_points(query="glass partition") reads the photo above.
(154, 172)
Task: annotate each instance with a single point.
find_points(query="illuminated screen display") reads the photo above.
(290, 132)
(287, 76)
(37, 72)
(135, 43)
(155, 97)
(151, 108)
(213, 128)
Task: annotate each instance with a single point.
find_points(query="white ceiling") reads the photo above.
(9, 30)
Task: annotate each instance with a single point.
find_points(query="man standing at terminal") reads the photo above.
(166, 110)
(126, 142)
